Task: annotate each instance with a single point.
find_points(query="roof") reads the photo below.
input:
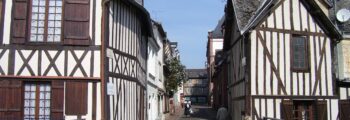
(217, 32)
(160, 28)
(197, 73)
(144, 15)
(245, 10)
(254, 11)
(322, 20)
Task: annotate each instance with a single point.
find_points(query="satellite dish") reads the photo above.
(343, 15)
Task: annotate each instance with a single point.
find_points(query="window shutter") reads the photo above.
(287, 110)
(344, 108)
(11, 100)
(76, 98)
(19, 22)
(321, 110)
(57, 100)
(76, 22)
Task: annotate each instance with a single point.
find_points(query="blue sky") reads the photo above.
(188, 23)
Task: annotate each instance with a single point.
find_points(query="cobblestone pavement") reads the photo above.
(200, 113)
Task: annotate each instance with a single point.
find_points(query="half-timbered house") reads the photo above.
(280, 55)
(73, 59)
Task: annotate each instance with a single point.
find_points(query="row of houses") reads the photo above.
(281, 59)
(86, 59)
(160, 49)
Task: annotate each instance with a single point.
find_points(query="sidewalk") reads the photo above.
(178, 113)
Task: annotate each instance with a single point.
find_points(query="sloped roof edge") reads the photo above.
(145, 15)
(322, 20)
(311, 6)
(262, 12)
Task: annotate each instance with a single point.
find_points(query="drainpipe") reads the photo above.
(104, 38)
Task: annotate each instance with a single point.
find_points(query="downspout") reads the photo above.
(105, 6)
(247, 56)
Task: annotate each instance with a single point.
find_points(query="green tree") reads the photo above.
(175, 75)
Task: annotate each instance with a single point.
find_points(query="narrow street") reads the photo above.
(201, 112)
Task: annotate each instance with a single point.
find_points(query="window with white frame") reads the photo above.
(37, 101)
(46, 19)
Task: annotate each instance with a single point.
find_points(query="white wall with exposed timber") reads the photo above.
(278, 45)
(276, 33)
(126, 55)
(65, 60)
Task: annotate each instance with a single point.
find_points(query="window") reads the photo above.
(37, 101)
(41, 21)
(46, 21)
(304, 110)
(299, 53)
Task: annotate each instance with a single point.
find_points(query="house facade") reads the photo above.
(73, 59)
(281, 56)
(155, 83)
(214, 44)
(196, 88)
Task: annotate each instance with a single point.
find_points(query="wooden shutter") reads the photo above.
(287, 110)
(76, 22)
(344, 108)
(19, 22)
(76, 98)
(10, 100)
(321, 110)
(57, 100)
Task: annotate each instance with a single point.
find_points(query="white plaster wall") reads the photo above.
(151, 59)
(217, 44)
(7, 22)
(152, 104)
(98, 22)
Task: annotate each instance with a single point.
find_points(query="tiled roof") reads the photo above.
(217, 33)
(197, 73)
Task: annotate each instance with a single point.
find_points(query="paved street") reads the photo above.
(200, 113)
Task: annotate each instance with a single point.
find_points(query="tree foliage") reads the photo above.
(175, 75)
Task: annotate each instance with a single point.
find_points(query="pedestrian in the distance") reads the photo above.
(187, 108)
(222, 113)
